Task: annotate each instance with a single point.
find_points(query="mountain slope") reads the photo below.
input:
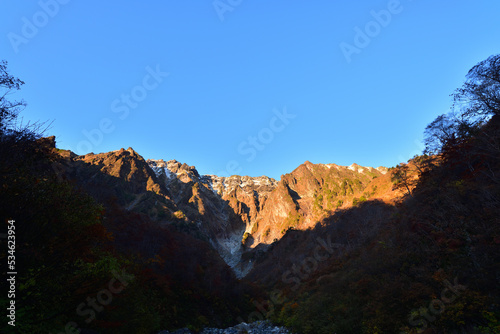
(312, 191)
(426, 264)
(237, 214)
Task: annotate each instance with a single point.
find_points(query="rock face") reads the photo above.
(257, 211)
(236, 214)
(121, 175)
(245, 194)
(311, 192)
(222, 207)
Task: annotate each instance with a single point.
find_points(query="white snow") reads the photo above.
(160, 168)
(169, 174)
(382, 170)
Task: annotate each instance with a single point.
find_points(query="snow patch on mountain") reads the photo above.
(382, 170)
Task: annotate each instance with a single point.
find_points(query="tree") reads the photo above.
(473, 104)
(403, 178)
(11, 129)
(438, 133)
(480, 93)
(450, 129)
(9, 110)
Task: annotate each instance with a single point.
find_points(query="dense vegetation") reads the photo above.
(431, 262)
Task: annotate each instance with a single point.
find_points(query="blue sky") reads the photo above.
(247, 87)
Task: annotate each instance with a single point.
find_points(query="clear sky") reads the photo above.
(240, 86)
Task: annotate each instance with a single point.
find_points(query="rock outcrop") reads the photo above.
(236, 214)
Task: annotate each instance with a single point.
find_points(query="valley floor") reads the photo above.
(258, 327)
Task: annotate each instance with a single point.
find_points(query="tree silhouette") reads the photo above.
(450, 129)
(9, 110)
(480, 93)
(474, 104)
(12, 130)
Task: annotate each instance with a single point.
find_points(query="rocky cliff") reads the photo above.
(313, 191)
(236, 214)
(222, 207)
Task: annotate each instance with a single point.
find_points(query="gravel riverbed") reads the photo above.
(258, 327)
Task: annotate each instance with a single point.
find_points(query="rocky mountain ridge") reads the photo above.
(238, 215)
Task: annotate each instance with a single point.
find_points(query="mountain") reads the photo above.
(341, 243)
(103, 225)
(257, 211)
(221, 207)
(427, 262)
(331, 241)
(237, 215)
(325, 241)
(312, 191)
(113, 243)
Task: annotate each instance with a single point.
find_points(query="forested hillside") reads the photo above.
(86, 262)
(430, 262)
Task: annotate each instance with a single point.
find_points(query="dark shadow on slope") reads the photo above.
(179, 279)
(374, 266)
